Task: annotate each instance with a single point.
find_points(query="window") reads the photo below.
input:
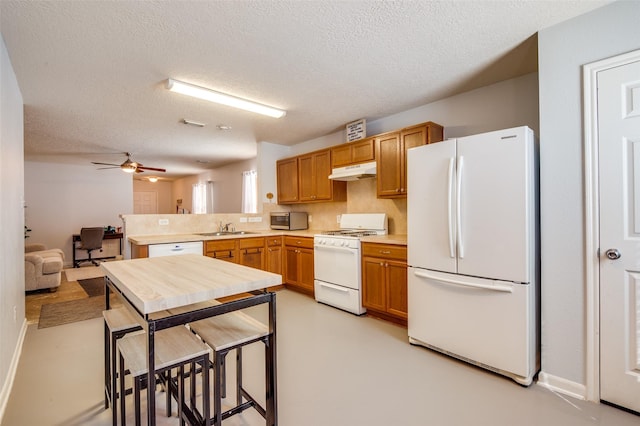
(203, 198)
(250, 191)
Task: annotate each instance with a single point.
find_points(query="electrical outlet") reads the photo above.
(243, 220)
(310, 218)
(15, 313)
(255, 219)
(163, 221)
(338, 218)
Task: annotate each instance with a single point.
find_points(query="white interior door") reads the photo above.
(145, 202)
(619, 195)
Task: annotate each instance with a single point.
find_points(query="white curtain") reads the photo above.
(250, 191)
(203, 198)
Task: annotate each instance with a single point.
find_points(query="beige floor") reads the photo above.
(333, 369)
(68, 290)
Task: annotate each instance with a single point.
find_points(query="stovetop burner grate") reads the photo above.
(351, 233)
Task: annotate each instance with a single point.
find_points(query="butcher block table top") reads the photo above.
(159, 283)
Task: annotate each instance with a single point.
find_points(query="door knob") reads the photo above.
(613, 254)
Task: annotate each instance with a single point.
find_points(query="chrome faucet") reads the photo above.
(227, 227)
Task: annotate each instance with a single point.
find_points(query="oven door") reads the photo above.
(337, 265)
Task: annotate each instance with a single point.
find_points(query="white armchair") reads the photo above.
(42, 267)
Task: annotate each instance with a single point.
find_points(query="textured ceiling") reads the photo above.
(92, 73)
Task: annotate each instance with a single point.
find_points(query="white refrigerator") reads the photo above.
(473, 250)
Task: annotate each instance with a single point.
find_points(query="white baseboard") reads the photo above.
(11, 373)
(563, 386)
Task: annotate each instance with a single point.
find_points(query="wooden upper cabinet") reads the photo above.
(391, 154)
(287, 174)
(305, 179)
(313, 183)
(388, 154)
(314, 170)
(353, 153)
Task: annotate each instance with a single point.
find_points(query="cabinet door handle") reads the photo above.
(385, 251)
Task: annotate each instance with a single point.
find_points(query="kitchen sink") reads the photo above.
(219, 234)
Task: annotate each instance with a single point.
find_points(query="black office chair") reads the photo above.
(90, 239)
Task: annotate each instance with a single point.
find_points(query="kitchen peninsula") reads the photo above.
(152, 285)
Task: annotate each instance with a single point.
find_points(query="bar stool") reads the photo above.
(224, 333)
(174, 348)
(117, 323)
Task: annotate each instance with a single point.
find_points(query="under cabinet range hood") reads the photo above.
(354, 172)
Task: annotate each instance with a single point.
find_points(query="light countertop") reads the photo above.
(159, 283)
(397, 239)
(143, 240)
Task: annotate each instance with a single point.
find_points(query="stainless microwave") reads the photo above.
(289, 220)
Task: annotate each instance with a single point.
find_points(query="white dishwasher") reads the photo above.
(171, 249)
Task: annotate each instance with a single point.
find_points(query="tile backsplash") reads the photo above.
(361, 198)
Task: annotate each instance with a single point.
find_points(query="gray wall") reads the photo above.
(12, 318)
(563, 49)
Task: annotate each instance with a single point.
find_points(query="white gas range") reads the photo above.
(337, 260)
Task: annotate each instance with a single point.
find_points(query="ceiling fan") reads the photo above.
(128, 166)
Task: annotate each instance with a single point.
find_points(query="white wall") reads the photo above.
(227, 186)
(268, 154)
(164, 191)
(62, 198)
(563, 49)
(12, 317)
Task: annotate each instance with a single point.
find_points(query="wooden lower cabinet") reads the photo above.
(251, 252)
(222, 249)
(298, 263)
(273, 262)
(138, 252)
(384, 281)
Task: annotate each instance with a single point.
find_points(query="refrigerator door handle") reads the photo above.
(505, 288)
(459, 208)
(452, 249)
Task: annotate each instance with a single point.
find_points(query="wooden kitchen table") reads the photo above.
(152, 285)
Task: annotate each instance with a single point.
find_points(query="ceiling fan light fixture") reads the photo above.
(129, 166)
(222, 98)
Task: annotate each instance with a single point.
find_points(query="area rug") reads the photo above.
(54, 314)
(85, 273)
(93, 286)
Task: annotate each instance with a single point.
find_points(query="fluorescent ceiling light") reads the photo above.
(193, 123)
(221, 98)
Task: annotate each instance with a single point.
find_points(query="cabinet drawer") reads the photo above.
(274, 241)
(304, 242)
(251, 242)
(387, 251)
(220, 245)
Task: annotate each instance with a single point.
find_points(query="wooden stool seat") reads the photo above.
(228, 330)
(117, 323)
(224, 333)
(174, 347)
